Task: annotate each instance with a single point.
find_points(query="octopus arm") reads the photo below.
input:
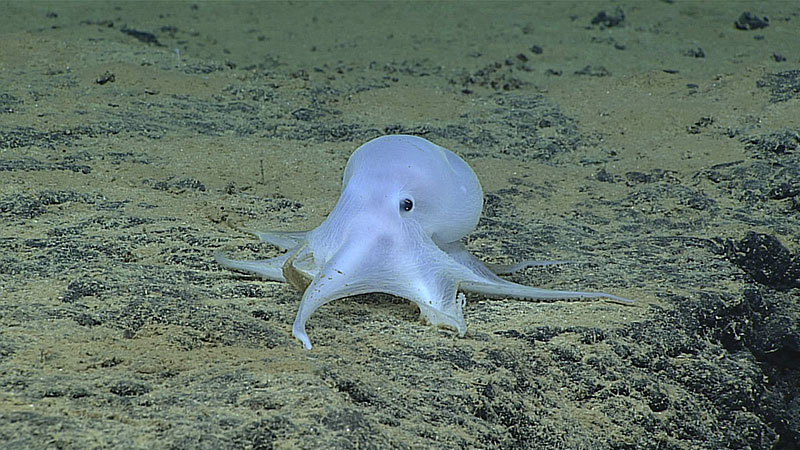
(505, 288)
(271, 269)
(284, 240)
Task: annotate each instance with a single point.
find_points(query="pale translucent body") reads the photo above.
(406, 203)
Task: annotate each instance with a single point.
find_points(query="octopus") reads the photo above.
(406, 205)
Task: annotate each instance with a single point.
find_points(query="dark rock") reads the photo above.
(768, 261)
(609, 20)
(749, 21)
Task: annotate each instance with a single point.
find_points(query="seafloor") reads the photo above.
(655, 143)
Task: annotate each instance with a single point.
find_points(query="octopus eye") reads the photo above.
(406, 204)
